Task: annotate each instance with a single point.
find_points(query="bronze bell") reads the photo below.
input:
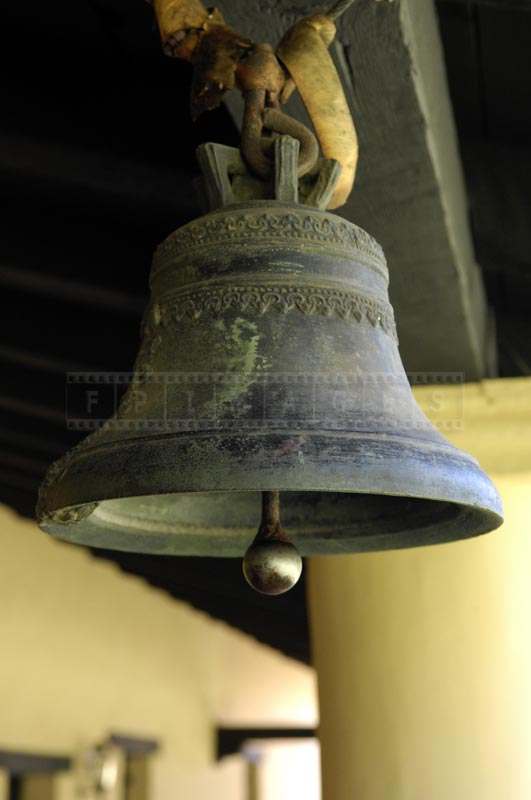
(269, 362)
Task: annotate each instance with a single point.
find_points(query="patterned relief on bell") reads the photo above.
(263, 226)
(308, 300)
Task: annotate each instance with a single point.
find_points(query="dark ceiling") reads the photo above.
(96, 162)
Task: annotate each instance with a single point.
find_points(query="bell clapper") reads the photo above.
(271, 565)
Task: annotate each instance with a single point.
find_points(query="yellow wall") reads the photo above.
(87, 650)
(424, 655)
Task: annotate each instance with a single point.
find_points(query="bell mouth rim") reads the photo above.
(459, 500)
(91, 524)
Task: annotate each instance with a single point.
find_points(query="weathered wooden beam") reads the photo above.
(409, 192)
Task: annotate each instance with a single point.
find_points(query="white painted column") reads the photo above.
(4, 784)
(424, 656)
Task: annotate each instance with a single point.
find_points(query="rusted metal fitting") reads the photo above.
(261, 70)
(278, 122)
(255, 144)
(252, 131)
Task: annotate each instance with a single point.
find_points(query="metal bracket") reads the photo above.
(226, 179)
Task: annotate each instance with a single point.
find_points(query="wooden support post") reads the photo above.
(409, 191)
(4, 784)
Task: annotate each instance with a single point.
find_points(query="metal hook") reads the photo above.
(257, 118)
